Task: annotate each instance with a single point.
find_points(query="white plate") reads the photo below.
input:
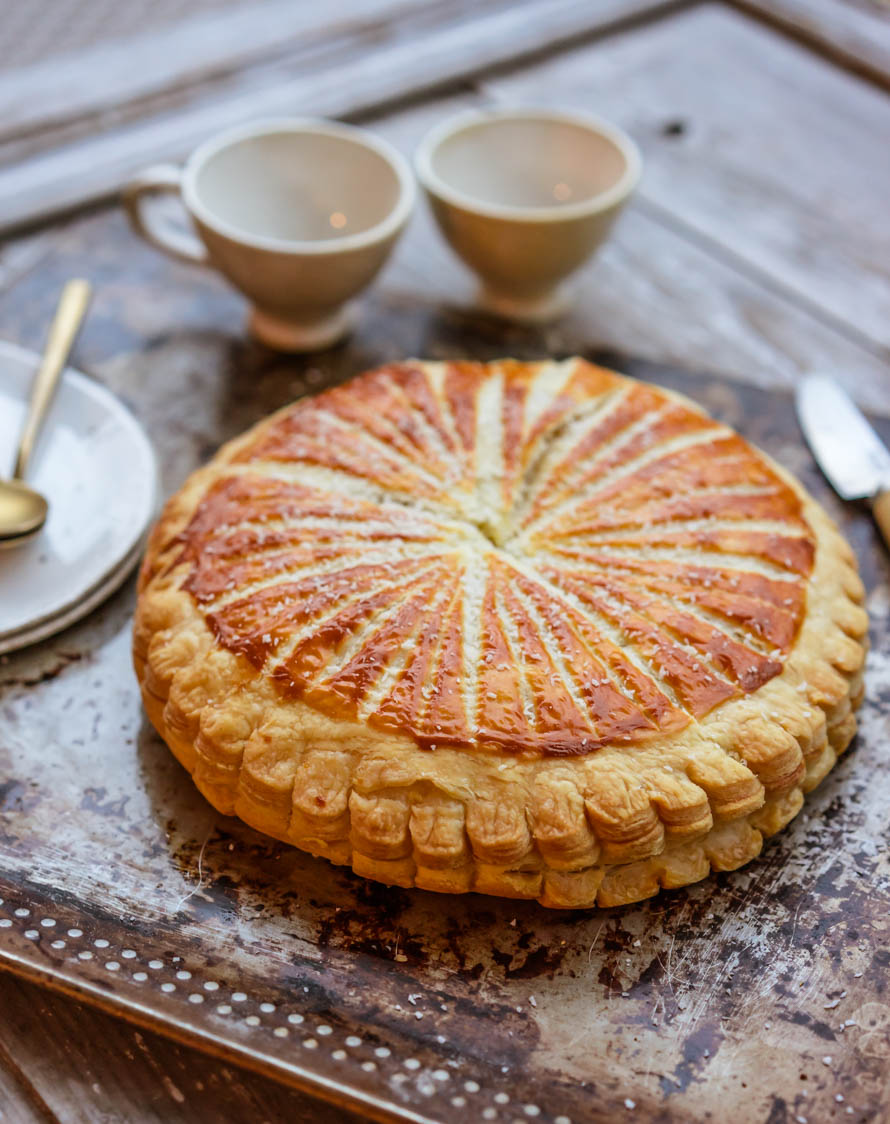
(96, 467)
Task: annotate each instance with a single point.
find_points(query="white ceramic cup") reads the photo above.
(298, 214)
(524, 197)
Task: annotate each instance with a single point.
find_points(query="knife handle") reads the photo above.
(880, 509)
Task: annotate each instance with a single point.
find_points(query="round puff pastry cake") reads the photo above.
(530, 629)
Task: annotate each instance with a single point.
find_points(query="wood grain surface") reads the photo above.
(181, 56)
(46, 174)
(855, 33)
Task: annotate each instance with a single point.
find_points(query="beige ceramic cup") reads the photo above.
(298, 214)
(524, 197)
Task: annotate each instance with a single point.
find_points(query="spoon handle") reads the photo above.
(62, 334)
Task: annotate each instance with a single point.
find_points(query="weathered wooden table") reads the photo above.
(757, 248)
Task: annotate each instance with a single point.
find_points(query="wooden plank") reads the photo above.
(759, 150)
(21, 255)
(95, 167)
(855, 34)
(188, 52)
(19, 1101)
(88, 1066)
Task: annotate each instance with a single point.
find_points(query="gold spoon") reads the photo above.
(23, 511)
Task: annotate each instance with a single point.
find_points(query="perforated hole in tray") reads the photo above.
(451, 1087)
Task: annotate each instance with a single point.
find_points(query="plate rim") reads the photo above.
(97, 595)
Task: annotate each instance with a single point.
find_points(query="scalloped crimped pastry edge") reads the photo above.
(606, 829)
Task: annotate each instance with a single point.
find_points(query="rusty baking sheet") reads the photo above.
(755, 996)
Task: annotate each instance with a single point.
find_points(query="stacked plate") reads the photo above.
(96, 467)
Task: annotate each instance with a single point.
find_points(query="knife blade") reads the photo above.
(849, 452)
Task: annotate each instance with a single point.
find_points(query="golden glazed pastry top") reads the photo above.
(439, 566)
(539, 558)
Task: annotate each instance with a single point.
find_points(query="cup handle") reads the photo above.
(156, 230)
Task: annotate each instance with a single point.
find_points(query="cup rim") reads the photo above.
(435, 185)
(269, 126)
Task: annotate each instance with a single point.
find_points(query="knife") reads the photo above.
(849, 452)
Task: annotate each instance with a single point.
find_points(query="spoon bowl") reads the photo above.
(22, 513)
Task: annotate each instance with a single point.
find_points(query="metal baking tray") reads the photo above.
(759, 995)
